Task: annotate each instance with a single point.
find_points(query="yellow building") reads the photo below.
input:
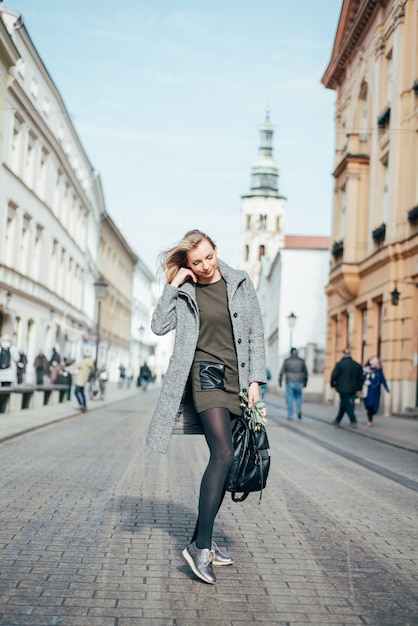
(116, 265)
(372, 290)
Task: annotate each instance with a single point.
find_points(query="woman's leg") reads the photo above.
(216, 425)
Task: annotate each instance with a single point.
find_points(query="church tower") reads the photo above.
(262, 228)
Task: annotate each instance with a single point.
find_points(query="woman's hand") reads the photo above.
(182, 275)
(253, 394)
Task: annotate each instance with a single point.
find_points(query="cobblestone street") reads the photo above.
(92, 526)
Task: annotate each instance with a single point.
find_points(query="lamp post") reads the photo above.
(100, 286)
(291, 320)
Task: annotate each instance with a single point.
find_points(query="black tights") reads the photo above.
(217, 426)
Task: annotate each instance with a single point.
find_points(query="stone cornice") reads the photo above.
(362, 159)
(347, 39)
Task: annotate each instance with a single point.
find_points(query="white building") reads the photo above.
(50, 206)
(292, 284)
(143, 341)
(262, 209)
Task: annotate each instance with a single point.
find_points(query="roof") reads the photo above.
(311, 242)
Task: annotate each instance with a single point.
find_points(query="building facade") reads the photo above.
(50, 206)
(293, 304)
(116, 265)
(262, 208)
(372, 287)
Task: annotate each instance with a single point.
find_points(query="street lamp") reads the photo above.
(291, 320)
(100, 286)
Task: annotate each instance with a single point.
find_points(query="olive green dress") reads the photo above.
(215, 346)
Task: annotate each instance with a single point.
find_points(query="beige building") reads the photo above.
(372, 289)
(116, 264)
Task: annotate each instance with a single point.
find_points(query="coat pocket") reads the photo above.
(211, 375)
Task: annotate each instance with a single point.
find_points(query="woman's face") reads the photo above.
(203, 261)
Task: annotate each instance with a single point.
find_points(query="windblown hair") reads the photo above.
(176, 257)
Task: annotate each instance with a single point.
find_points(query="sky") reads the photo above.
(167, 99)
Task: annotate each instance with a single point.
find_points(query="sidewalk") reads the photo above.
(398, 431)
(19, 422)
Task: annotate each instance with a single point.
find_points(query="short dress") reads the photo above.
(215, 382)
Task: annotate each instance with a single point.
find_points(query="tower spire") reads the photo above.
(265, 170)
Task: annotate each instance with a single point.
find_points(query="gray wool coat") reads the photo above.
(177, 309)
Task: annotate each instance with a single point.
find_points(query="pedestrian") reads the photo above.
(296, 377)
(83, 370)
(218, 352)
(129, 376)
(263, 388)
(374, 380)
(21, 367)
(9, 356)
(121, 380)
(144, 376)
(55, 356)
(347, 379)
(41, 367)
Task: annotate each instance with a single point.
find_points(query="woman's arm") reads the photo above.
(164, 317)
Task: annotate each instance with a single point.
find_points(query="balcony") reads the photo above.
(413, 216)
(384, 118)
(337, 249)
(379, 234)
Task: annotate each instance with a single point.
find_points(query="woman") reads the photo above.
(374, 379)
(218, 352)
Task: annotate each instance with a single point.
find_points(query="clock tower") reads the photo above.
(262, 209)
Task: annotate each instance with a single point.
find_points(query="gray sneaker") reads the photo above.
(200, 561)
(353, 425)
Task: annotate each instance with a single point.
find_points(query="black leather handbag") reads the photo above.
(251, 464)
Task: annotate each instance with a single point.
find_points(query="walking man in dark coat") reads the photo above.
(347, 379)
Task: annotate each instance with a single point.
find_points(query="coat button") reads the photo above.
(235, 314)
(242, 364)
(239, 340)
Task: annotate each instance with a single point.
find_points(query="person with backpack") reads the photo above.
(9, 356)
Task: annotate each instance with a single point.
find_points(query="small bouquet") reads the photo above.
(256, 416)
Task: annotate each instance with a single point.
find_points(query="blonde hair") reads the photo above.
(176, 257)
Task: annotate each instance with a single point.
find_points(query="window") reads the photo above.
(263, 222)
(53, 264)
(43, 166)
(30, 159)
(35, 264)
(278, 223)
(34, 89)
(389, 79)
(341, 214)
(20, 65)
(364, 113)
(57, 193)
(248, 222)
(25, 244)
(379, 314)
(261, 251)
(385, 191)
(363, 334)
(16, 144)
(10, 233)
(46, 106)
